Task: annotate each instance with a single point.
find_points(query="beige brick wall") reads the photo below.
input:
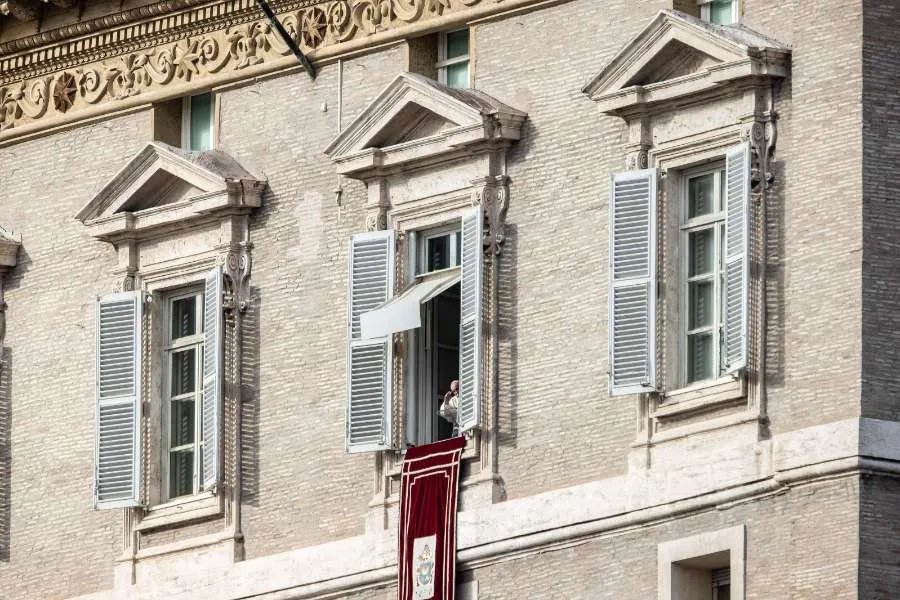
(302, 488)
(558, 426)
(788, 553)
(881, 211)
(58, 546)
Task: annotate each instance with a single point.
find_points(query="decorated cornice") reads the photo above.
(203, 46)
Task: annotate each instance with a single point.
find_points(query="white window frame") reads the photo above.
(705, 14)
(444, 62)
(186, 120)
(716, 222)
(420, 428)
(165, 352)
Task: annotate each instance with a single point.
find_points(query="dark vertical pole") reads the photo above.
(310, 69)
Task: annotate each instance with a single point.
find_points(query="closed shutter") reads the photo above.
(734, 301)
(369, 360)
(632, 279)
(469, 410)
(117, 461)
(212, 378)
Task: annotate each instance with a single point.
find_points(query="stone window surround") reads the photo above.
(727, 76)
(427, 154)
(731, 540)
(218, 210)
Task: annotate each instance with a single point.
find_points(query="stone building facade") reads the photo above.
(680, 360)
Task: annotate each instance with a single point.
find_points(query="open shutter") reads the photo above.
(369, 360)
(734, 302)
(118, 444)
(469, 409)
(632, 282)
(212, 378)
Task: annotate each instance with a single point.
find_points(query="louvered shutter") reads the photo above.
(632, 278)
(469, 409)
(118, 442)
(369, 360)
(212, 378)
(734, 301)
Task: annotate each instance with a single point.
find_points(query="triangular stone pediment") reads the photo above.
(414, 110)
(678, 55)
(170, 185)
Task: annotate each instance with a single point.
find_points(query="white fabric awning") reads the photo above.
(403, 312)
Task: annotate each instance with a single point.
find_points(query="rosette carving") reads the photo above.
(208, 55)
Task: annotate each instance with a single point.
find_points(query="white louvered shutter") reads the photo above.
(117, 461)
(632, 278)
(369, 360)
(469, 409)
(734, 301)
(212, 379)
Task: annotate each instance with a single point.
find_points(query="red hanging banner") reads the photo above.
(428, 494)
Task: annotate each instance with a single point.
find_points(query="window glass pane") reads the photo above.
(201, 123)
(181, 431)
(184, 317)
(457, 43)
(458, 256)
(720, 12)
(701, 250)
(438, 249)
(700, 356)
(183, 370)
(700, 304)
(701, 195)
(181, 473)
(458, 75)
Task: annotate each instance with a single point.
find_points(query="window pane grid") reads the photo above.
(703, 234)
(182, 421)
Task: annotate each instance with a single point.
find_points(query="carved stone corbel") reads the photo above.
(237, 263)
(762, 136)
(378, 204)
(492, 193)
(9, 247)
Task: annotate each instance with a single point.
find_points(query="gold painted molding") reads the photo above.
(202, 47)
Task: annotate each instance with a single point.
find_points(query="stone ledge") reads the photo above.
(561, 517)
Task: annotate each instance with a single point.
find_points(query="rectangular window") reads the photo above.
(197, 120)
(719, 12)
(182, 408)
(437, 342)
(703, 232)
(453, 58)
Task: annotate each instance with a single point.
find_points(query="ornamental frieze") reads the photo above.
(71, 91)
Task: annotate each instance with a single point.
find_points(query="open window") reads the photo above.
(186, 122)
(439, 312)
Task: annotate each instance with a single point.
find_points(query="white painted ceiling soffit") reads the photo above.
(9, 247)
(163, 186)
(416, 120)
(677, 57)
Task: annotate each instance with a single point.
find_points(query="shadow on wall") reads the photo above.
(5, 450)
(775, 282)
(508, 292)
(250, 402)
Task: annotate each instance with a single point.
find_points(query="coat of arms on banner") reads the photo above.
(423, 567)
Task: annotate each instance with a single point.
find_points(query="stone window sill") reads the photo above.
(701, 396)
(183, 510)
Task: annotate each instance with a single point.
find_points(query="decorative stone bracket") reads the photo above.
(492, 193)
(9, 247)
